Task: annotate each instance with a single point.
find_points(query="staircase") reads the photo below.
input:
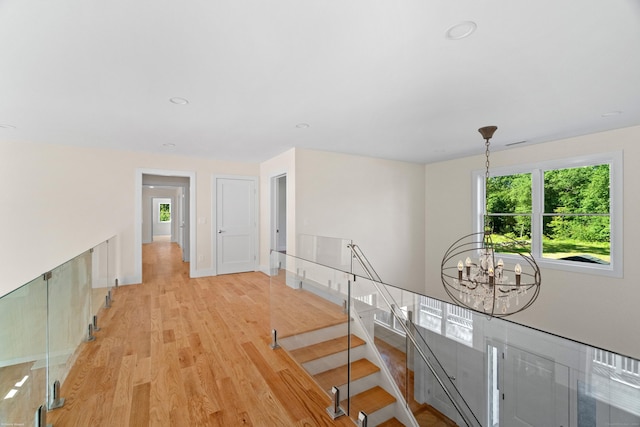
(323, 354)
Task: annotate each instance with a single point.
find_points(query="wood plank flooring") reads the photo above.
(175, 351)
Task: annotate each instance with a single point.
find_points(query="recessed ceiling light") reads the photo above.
(179, 101)
(612, 113)
(461, 30)
(151, 186)
(302, 125)
(169, 145)
(4, 126)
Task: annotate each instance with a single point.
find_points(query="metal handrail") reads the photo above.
(375, 279)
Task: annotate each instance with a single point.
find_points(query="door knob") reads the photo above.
(220, 231)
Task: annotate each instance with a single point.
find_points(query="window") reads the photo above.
(449, 320)
(164, 212)
(567, 213)
(390, 321)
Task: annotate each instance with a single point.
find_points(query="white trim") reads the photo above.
(208, 272)
(129, 280)
(137, 250)
(615, 159)
(274, 200)
(214, 223)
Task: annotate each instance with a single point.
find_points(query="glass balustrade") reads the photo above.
(446, 364)
(101, 280)
(42, 325)
(23, 353)
(309, 320)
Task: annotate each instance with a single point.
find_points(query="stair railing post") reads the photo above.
(335, 411)
(274, 339)
(56, 400)
(362, 419)
(95, 323)
(41, 417)
(90, 336)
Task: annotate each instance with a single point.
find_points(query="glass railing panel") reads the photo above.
(69, 315)
(307, 308)
(100, 277)
(330, 251)
(112, 245)
(23, 322)
(510, 374)
(416, 373)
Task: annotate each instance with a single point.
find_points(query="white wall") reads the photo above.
(68, 199)
(597, 310)
(379, 204)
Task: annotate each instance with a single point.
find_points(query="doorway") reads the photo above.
(177, 188)
(525, 389)
(279, 213)
(161, 220)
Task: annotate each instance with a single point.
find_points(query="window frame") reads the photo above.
(160, 213)
(615, 161)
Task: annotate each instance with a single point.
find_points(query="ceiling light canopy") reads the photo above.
(462, 30)
(179, 101)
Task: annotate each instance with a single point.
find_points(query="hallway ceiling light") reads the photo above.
(302, 125)
(473, 277)
(461, 30)
(179, 101)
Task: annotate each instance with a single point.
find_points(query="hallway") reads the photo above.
(175, 351)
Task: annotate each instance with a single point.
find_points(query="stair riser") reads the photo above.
(360, 385)
(333, 361)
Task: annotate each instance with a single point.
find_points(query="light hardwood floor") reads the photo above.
(180, 352)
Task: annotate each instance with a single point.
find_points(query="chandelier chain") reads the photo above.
(486, 185)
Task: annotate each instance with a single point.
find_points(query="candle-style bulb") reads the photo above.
(460, 267)
(518, 271)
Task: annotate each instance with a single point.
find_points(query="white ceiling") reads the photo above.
(370, 77)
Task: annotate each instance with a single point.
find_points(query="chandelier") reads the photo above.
(473, 277)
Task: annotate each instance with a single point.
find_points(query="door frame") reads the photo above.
(214, 217)
(275, 211)
(137, 249)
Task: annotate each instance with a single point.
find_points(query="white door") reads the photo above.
(534, 391)
(236, 225)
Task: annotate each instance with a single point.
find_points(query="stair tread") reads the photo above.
(338, 376)
(370, 401)
(325, 348)
(392, 422)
